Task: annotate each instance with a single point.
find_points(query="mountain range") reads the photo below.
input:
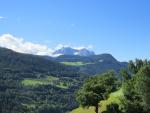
(72, 51)
(79, 60)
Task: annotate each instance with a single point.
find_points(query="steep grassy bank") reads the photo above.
(115, 97)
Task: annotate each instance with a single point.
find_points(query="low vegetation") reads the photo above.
(75, 63)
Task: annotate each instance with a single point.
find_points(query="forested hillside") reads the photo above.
(32, 84)
(37, 84)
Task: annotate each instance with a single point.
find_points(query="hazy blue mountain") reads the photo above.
(72, 51)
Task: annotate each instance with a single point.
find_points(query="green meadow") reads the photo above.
(39, 81)
(50, 80)
(75, 63)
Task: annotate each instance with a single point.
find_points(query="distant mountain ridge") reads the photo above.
(29, 63)
(72, 51)
(20, 45)
(93, 64)
(90, 64)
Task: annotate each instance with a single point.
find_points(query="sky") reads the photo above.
(118, 27)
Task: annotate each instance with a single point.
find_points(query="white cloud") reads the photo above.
(20, 45)
(59, 46)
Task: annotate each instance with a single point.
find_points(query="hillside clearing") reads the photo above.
(39, 81)
(75, 63)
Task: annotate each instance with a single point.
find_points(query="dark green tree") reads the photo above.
(96, 89)
(136, 90)
(142, 86)
(132, 101)
(125, 75)
(135, 66)
(112, 108)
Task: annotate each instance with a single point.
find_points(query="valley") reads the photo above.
(69, 83)
(45, 84)
(74, 56)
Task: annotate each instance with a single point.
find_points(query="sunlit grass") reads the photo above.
(84, 110)
(30, 106)
(75, 63)
(115, 97)
(62, 85)
(45, 81)
(40, 81)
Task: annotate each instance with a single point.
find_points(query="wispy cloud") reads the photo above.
(59, 46)
(72, 25)
(1, 17)
(84, 47)
(20, 45)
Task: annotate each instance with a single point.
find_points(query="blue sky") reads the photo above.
(118, 27)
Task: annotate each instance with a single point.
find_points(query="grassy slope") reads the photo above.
(43, 81)
(75, 63)
(114, 97)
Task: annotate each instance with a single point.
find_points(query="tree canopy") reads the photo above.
(137, 89)
(96, 89)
